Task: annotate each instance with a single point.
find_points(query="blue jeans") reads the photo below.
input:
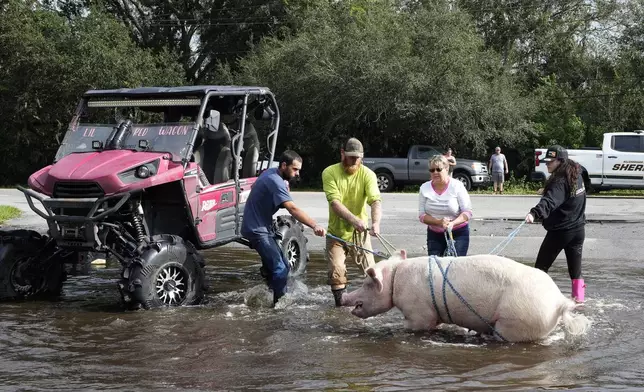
(273, 262)
(436, 244)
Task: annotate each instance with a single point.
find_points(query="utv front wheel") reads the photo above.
(168, 272)
(31, 266)
(290, 237)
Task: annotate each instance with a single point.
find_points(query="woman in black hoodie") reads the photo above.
(562, 211)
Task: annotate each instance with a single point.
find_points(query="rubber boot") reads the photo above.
(337, 295)
(578, 290)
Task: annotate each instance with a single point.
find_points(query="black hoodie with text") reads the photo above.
(560, 208)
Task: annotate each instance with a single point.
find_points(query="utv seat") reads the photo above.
(251, 152)
(214, 155)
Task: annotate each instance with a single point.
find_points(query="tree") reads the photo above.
(389, 77)
(201, 33)
(53, 61)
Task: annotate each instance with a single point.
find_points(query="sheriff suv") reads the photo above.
(617, 164)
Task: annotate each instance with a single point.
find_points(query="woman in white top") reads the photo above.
(444, 203)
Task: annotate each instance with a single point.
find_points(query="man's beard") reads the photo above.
(290, 179)
(350, 169)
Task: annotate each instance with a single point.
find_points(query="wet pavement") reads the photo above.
(85, 341)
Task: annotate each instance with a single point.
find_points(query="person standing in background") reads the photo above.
(451, 160)
(498, 165)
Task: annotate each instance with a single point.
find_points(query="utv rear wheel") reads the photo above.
(293, 243)
(31, 266)
(168, 272)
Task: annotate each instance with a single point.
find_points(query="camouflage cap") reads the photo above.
(353, 148)
(555, 152)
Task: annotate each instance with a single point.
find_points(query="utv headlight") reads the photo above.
(139, 173)
(143, 172)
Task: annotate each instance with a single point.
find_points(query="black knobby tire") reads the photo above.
(385, 181)
(291, 238)
(169, 272)
(31, 266)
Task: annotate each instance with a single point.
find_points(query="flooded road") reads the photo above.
(86, 341)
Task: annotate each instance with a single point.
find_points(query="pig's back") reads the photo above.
(488, 283)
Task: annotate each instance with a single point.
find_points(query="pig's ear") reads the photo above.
(376, 275)
(403, 254)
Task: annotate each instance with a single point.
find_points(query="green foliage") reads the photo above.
(556, 121)
(8, 212)
(53, 61)
(388, 77)
(202, 33)
(465, 74)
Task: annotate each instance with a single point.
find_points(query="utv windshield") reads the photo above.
(161, 125)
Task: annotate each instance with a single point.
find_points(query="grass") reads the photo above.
(8, 212)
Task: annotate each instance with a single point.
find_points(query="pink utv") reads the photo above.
(498, 296)
(148, 176)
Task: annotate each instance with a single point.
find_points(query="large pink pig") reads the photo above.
(507, 299)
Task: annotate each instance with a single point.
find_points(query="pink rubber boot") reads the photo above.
(578, 290)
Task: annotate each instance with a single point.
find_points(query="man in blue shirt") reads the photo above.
(268, 194)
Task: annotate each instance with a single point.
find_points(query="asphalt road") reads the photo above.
(613, 232)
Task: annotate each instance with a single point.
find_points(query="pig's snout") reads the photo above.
(357, 311)
(353, 299)
(348, 299)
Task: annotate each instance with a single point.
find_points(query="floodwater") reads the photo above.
(85, 341)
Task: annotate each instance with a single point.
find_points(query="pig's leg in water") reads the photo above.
(414, 303)
(520, 330)
(420, 322)
(419, 316)
(513, 330)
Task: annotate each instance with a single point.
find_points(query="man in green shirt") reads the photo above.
(349, 187)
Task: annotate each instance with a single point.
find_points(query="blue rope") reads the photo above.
(431, 287)
(445, 280)
(506, 240)
(449, 316)
(451, 251)
(451, 245)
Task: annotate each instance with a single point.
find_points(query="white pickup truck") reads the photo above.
(617, 164)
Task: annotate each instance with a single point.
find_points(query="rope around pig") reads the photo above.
(451, 245)
(357, 249)
(451, 251)
(446, 282)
